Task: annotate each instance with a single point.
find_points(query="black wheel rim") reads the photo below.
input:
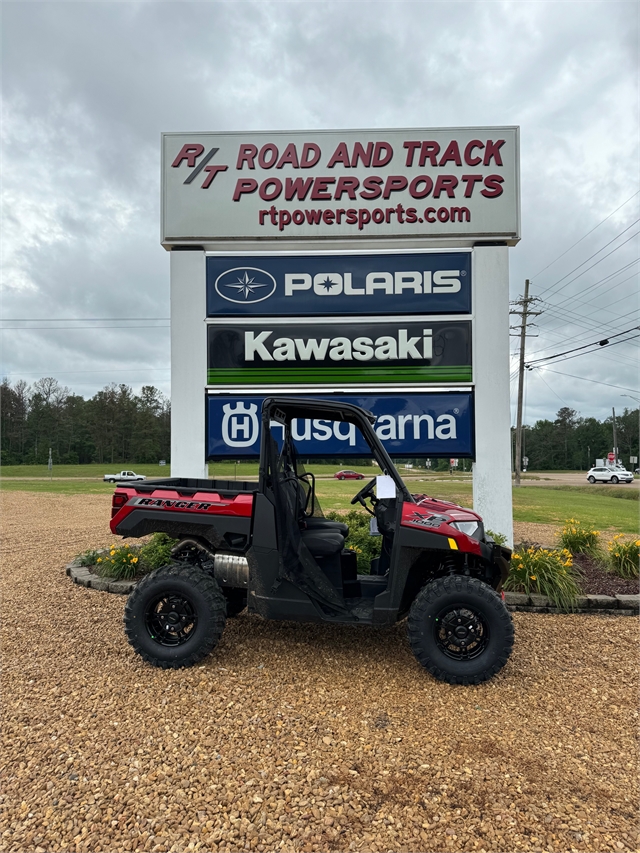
(461, 633)
(171, 619)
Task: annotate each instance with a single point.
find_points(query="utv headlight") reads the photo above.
(471, 528)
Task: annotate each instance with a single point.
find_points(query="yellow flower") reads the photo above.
(99, 559)
(533, 577)
(134, 560)
(127, 545)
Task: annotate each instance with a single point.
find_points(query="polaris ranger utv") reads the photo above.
(265, 545)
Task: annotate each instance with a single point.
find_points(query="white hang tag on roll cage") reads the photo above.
(385, 487)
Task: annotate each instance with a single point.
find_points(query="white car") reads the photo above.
(609, 475)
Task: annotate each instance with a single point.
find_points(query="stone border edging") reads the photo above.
(619, 605)
(84, 577)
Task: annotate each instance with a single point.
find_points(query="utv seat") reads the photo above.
(317, 524)
(323, 543)
(325, 546)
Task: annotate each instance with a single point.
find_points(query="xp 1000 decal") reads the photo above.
(327, 352)
(412, 425)
(416, 283)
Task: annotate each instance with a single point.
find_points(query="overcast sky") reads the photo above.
(88, 87)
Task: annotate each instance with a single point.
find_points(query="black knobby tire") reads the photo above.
(175, 616)
(460, 630)
(236, 601)
(592, 480)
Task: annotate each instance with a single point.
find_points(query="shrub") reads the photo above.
(624, 556)
(157, 552)
(579, 538)
(121, 563)
(366, 546)
(498, 538)
(547, 572)
(88, 558)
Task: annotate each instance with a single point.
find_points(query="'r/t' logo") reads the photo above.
(190, 153)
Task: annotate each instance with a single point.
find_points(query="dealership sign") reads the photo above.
(268, 353)
(344, 284)
(414, 425)
(426, 183)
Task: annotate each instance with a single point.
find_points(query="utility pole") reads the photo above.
(525, 313)
(615, 439)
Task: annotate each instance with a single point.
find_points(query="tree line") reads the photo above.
(574, 443)
(114, 426)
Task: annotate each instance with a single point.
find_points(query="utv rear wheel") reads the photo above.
(175, 616)
(460, 630)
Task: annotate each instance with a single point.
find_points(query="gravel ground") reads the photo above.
(295, 737)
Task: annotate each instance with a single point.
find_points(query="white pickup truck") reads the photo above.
(123, 477)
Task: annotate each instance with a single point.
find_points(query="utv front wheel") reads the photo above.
(175, 616)
(460, 630)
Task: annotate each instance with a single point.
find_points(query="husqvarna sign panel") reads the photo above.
(413, 425)
(416, 350)
(321, 285)
(426, 183)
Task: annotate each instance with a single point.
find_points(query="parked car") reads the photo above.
(609, 475)
(348, 475)
(124, 477)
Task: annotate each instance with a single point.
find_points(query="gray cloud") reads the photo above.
(88, 88)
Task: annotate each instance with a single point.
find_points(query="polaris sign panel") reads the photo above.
(341, 352)
(426, 183)
(317, 285)
(414, 425)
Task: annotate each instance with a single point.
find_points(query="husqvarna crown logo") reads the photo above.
(240, 424)
(245, 284)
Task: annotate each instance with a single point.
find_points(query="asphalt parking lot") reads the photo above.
(296, 737)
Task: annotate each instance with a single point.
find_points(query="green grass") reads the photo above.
(82, 471)
(604, 509)
(59, 487)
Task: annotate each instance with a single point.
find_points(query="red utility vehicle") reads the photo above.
(265, 545)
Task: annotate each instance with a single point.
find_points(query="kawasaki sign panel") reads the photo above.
(416, 183)
(414, 425)
(390, 283)
(341, 352)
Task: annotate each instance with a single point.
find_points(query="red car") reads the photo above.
(348, 475)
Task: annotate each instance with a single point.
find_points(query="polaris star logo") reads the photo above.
(245, 284)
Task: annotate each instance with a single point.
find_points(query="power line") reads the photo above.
(612, 252)
(587, 325)
(596, 284)
(587, 234)
(584, 379)
(591, 352)
(603, 342)
(596, 253)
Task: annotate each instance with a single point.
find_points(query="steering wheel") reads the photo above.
(365, 492)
